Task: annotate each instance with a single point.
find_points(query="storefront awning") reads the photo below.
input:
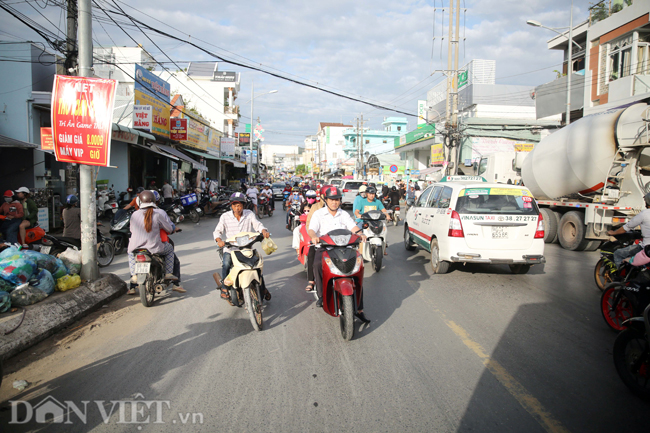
(237, 164)
(12, 142)
(129, 135)
(205, 155)
(180, 155)
(156, 151)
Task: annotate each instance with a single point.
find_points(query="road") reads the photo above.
(478, 349)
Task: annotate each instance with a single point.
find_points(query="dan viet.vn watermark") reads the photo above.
(136, 411)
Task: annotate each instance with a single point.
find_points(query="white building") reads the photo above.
(211, 91)
(282, 158)
(329, 146)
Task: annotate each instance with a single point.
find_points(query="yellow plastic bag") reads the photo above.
(269, 246)
(68, 282)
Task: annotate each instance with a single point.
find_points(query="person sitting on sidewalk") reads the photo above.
(31, 213)
(13, 211)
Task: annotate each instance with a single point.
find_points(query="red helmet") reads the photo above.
(331, 192)
(9, 193)
(323, 189)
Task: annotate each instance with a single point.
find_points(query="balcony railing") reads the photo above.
(232, 110)
(606, 8)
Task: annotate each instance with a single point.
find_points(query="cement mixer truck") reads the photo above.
(591, 176)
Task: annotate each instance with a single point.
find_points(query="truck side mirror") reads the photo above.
(475, 167)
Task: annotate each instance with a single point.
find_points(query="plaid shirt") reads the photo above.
(229, 226)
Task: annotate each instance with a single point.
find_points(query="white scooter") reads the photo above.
(374, 228)
(106, 204)
(245, 277)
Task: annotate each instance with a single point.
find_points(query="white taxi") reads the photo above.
(464, 219)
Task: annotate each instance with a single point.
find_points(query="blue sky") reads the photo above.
(375, 50)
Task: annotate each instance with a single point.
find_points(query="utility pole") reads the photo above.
(89, 269)
(358, 150)
(362, 170)
(452, 136)
(69, 67)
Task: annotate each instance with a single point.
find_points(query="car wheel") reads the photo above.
(438, 266)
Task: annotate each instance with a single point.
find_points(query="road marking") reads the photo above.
(516, 389)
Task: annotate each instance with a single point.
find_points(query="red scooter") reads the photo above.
(305, 241)
(33, 234)
(342, 277)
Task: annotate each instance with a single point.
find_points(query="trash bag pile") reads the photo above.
(28, 277)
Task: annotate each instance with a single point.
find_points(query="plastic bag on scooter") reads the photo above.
(5, 301)
(269, 246)
(640, 259)
(43, 281)
(71, 258)
(17, 271)
(68, 282)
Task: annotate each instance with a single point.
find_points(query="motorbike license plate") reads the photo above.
(142, 268)
(499, 232)
(177, 210)
(45, 249)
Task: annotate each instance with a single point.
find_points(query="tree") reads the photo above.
(301, 169)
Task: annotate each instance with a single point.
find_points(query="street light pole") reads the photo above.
(250, 137)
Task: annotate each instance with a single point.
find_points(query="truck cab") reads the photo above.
(501, 167)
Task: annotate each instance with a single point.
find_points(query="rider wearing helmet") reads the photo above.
(14, 213)
(268, 193)
(641, 219)
(324, 220)
(72, 218)
(230, 224)
(31, 212)
(311, 196)
(134, 203)
(360, 196)
(295, 198)
(146, 224)
(394, 196)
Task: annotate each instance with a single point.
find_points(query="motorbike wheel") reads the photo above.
(270, 213)
(346, 319)
(284, 205)
(105, 254)
(377, 257)
(254, 306)
(194, 216)
(603, 274)
(119, 245)
(395, 220)
(632, 361)
(616, 306)
(147, 292)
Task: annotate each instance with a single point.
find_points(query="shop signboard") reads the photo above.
(244, 138)
(47, 142)
(125, 136)
(214, 147)
(422, 112)
(197, 135)
(174, 177)
(223, 76)
(154, 91)
(178, 129)
(143, 117)
(228, 147)
(437, 154)
(82, 118)
(425, 131)
(524, 147)
(44, 218)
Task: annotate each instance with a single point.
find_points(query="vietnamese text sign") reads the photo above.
(197, 135)
(82, 113)
(524, 147)
(228, 147)
(214, 142)
(142, 117)
(437, 154)
(178, 129)
(47, 143)
(244, 138)
(152, 90)
(422, 112)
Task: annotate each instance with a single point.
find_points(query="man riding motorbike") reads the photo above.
(13, 210)
(295, 197)
(369, 203)
(230, 224)
(268, 193)
(323, 221)
(641, 219)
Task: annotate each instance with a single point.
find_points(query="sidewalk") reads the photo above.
(57, 311)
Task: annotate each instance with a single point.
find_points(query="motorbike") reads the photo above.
(374, 228)
(245, 278)
(342, 278)
(55, 245)
(622, 300)
(214, 205)
(632, 354)
(106, 204)
(294, 216)
(150, 272)
(286, 195)
(124, 198)
(189, 207)
(605, 271)
(34, 235)
(121, 230)
(305, 241)
(174, 211)
(264, 207)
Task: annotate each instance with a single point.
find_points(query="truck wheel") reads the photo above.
(571, 233)
(550, 222)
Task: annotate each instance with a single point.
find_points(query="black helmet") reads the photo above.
(332, 192)
(139, 190)
(72, 199)
(371, 190)
(647, 199)
(393, 188)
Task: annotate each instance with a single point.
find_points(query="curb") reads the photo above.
(54, 313)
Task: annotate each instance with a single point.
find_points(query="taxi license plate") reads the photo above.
(499, 232)
(45, 249)
(142, 268)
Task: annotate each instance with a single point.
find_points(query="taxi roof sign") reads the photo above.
(463, 179)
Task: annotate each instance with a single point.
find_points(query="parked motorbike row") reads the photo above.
(625, 306)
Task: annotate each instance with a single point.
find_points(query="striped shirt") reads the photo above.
(151, 240)
(229, 226)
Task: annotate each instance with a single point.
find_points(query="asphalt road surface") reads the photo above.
(478, 349)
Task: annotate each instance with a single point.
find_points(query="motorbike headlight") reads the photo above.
(120, 225)
(336, 271)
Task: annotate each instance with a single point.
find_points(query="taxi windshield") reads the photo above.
(496, 201)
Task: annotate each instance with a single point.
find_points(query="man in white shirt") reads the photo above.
(251, 193)
(324, 220)
(231, 224)
(168, 192)
(642, 219)
(268, 192)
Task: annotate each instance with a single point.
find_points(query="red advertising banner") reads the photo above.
(47, 143)
(82, 116)
(178, 129)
